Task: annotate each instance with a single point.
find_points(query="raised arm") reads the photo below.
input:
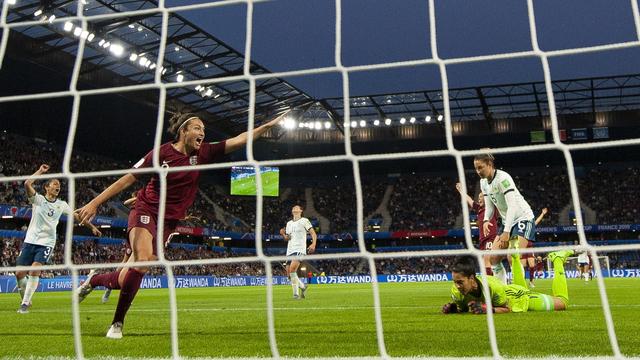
(88, 212)
(240, 141)
(541, 216)
(28, 184)
(284, 235)
(465, 195)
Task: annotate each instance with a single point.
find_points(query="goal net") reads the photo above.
(165, 81)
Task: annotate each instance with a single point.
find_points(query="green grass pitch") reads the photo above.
(247, 186)
(334, 320)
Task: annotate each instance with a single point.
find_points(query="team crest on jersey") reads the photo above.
(505, 183)
(145, 219)
(193, 160)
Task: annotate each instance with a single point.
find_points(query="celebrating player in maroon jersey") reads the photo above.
(187, 149)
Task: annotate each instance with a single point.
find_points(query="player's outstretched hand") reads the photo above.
(311, 249)
(450, 308)
(477, 307)
(87, 213)
(43, 168)
(545, 211)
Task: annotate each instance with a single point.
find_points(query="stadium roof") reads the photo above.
(193, 54)
(129, 46)
(589, 95)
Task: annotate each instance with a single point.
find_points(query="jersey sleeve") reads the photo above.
(497, 292)
(145, 162)
(212, 152)
(506, 184)
(66, 208)
(307, 225)
(36, 199)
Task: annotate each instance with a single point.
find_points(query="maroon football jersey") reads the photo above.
(182, 186)
(493, 230)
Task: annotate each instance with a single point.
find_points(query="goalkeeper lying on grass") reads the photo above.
(467, 295)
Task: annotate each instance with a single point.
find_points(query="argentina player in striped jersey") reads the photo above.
(518, 226)
(295, 234)
(37, 248)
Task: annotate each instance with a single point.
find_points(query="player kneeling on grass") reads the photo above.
(296, 236)
(467, 294)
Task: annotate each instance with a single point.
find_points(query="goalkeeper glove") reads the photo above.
(478, 307)
(450, 308)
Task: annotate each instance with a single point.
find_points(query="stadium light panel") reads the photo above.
(133, 57)
(131, 26)
(139, 28)
(412, 120)
(11, 2)
(51, 18)
(116, 50)
(91, 37)
(142, 61)
(363, 123)
(77, 31)
(176, 48)
(354, 124)
(427, 118)
(376, 122)
(179, 78)
(68, 26)
(216, 96)
(101, 42)
(209, 92)
(37, 13)
(84, 34)
(107, 44)
(164, 71)
(403, 120)
(153, 66)
(327, 125)
(198, 87)
(318, 125)
(206, 65)
(440, 117)
(387, 121)
(301, 125)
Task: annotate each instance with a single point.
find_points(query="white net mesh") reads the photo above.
(349, 155)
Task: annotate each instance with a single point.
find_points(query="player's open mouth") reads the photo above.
(199, 141)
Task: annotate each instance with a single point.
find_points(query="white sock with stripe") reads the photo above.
(32, 285)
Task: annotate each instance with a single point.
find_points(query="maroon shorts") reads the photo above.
(140, 218)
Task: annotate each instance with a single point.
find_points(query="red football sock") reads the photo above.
(108, 280)
(130, 287)
(488, 270)
(532, 272)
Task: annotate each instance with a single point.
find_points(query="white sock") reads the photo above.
(499, 272)
(300, 283)
(294, 282)
(21, 284)
(32, 285)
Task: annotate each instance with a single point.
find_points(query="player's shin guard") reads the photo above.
(294, 282)
(108, 280)
(30, 288)
(21, 284)
(559, 284)
(130, 287)
(499, 272)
